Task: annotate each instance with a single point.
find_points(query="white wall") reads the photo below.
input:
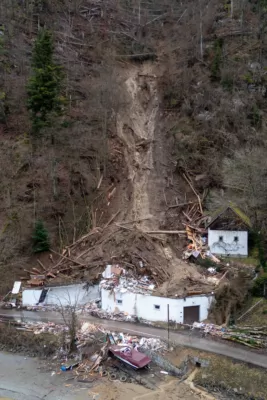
(228, 244)
(62, 295)
(30, 297)
(143, 306)
(73, 294)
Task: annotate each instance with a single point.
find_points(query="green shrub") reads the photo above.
(217, 59)
(258, 287)
(227, 83)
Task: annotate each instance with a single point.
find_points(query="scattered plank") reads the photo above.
(165, 232)
(99, 183)
(68, 258)
(112, 219)
(183, 204)
(41, 264)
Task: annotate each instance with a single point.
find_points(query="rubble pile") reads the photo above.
(85, 259)
(94, 310)
(254, 337)
(153, 344)
(197, 245)
(48, 327)
(125, 281)
(89, 330)
(142, 254)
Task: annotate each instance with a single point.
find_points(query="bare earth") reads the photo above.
(172, 390)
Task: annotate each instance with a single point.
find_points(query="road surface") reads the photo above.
(237, 353)
(22, 379)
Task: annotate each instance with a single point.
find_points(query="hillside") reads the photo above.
(151, 90)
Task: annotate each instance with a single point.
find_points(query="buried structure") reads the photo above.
(121, 292)
(138, 297)
(143, 278)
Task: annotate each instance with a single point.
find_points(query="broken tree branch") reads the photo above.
(182, 204)
(112, 219)
(165, 232)
(193, 189)
(69, 259)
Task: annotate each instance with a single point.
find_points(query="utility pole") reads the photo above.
(168, 316)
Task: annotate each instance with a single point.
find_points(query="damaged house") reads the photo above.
(60, 295)
(122, 293)
(228, 232)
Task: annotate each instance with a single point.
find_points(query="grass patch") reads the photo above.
(258, 316)
(248, 261)
(235, 378)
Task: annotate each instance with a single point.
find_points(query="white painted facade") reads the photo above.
(233, 243)
(62, 295)
(30, 297)
(153, 308)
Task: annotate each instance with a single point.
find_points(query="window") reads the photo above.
(118, 301)
(220, 238)
(236, 239)
(157, 307)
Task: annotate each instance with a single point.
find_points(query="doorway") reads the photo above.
(191, 314)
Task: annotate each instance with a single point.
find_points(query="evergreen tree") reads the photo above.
(40, 238)
(45, 83)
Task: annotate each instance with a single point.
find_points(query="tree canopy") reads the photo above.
(45, 83)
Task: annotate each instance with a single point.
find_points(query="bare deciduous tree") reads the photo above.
(68, 304)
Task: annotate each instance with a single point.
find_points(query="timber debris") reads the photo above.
(253, 337)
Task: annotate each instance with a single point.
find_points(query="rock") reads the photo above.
(254, 66)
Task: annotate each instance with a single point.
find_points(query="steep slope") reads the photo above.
(136, 128)
(151, 91)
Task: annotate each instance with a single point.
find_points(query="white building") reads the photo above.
(153, 308)
(228, 232)
(77, 294)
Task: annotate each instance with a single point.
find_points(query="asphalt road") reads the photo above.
(23, 378)
(234, 352)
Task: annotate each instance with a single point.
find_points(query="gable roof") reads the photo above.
(239, 213)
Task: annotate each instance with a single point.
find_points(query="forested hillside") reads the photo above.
(105, 105)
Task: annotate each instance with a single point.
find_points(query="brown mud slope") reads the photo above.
(126, 239)
(136, 128)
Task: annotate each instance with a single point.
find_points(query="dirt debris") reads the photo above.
(124, 239)
(127, 246)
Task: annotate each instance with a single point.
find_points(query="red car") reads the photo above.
(130, 356)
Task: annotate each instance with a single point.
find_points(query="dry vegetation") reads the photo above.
(43, 345)
(232, 380)
(208, 61)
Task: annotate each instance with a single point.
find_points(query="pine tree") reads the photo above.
(40, 238)
(44, 85)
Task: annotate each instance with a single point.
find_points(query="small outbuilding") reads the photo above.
(65, 295)
(228, 232)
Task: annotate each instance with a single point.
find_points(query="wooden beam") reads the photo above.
(183, 204)
(165, 232)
